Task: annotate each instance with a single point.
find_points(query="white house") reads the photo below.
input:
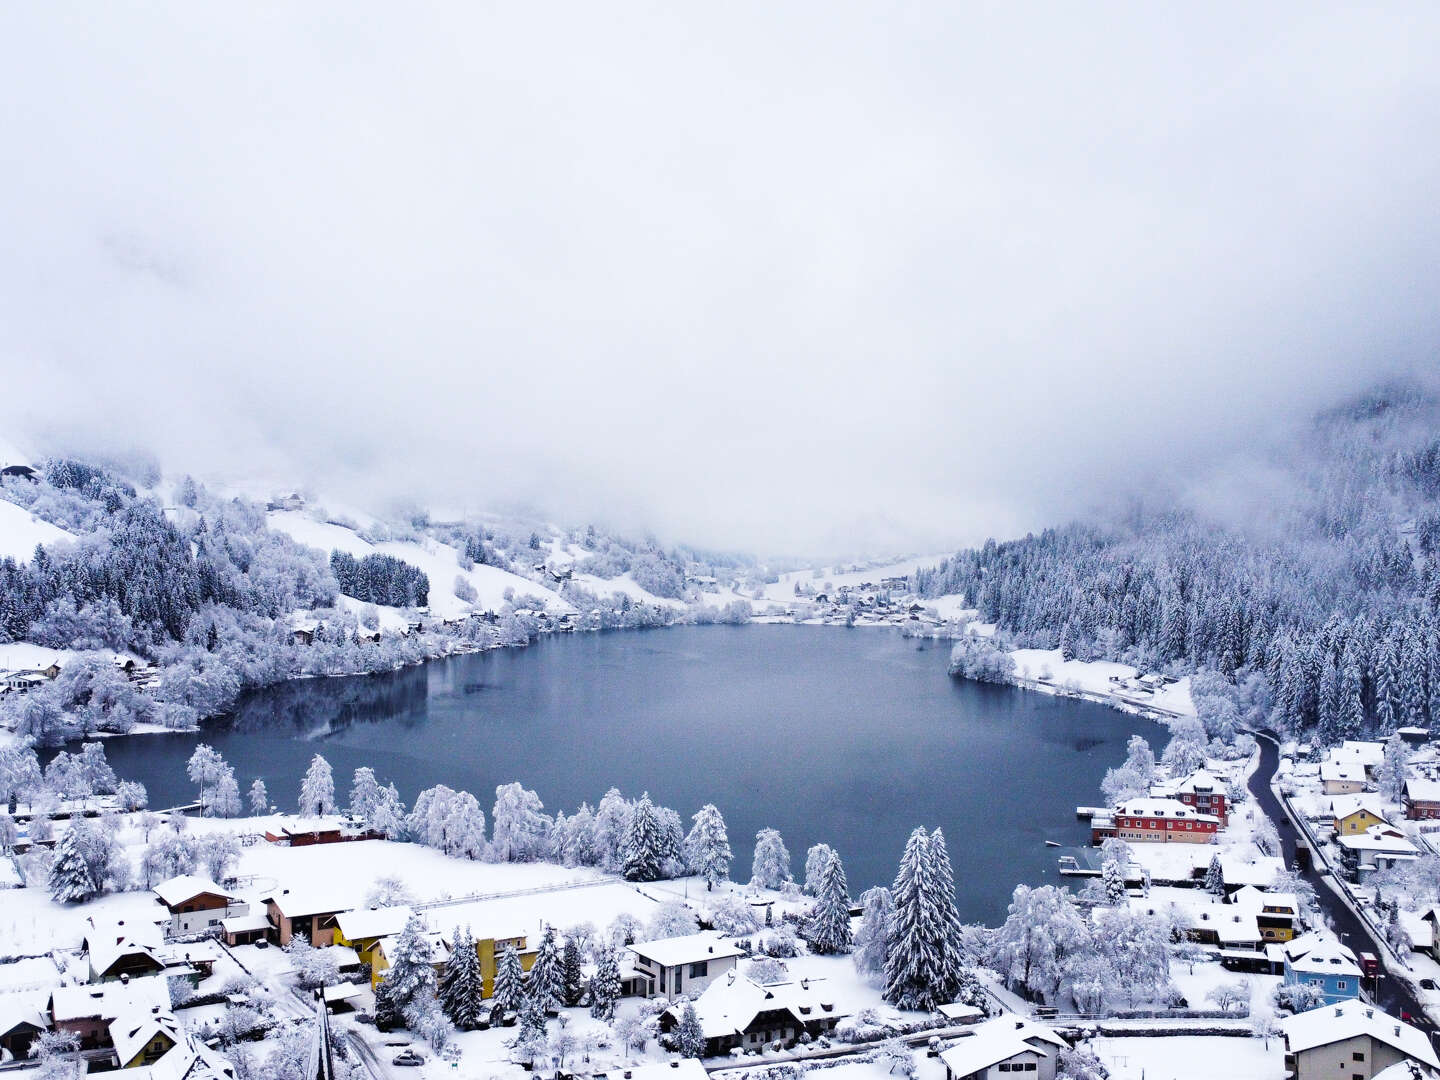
(683, 965)
(195, 904)
(1342, 777)
(1004, 1046)
(1351, 1041)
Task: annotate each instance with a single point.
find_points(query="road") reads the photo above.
(1393, 995)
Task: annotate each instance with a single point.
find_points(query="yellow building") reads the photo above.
(1354, 814)
(489, 950)
(372, 933)
(364, 930)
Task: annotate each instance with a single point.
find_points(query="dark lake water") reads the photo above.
(850, 737)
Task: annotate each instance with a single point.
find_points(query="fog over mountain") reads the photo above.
(813, 278)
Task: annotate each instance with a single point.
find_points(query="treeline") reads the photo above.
(380, 579)
(1331, 598)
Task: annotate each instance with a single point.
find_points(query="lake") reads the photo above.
(847, 736)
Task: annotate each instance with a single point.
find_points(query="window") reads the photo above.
(1339, 984)
(702, 968)
(1029, 1066)
(1358, 1055)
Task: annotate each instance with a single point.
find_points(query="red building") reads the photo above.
(1200, 790)
(1163, 821)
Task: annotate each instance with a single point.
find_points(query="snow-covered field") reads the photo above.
(1190, 1057)
(783, 591)
(21, 530)
(440, 562)
(1094, 677)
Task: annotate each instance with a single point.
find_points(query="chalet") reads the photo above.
(1200, 790)
(1421, 799)
(1275, 914)
(1377, 848)
(302, 832)
(86, 1011)
(303, 635)
(1353, 814)
(1342, 778)
(1162, 821)
(737, 1012)
(1368, 755)
(1366, 1040)
(143, 1038)
(683, 965)
(895, 584)
(194, 904)
(19, 472)
(309, 914)
(1319, 959)
(121, 950)
(22, 1019)
(1003, 1046)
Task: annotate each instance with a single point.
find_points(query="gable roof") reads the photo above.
(1320, 953)
(177, 890)
(690, 949)
(999, 1040)
(373, 922)
(131, 1031)
(1336, 1023)
(109, 1000)
(295, 903)
(17, 1010)
(1422, 790)
(1342, 806)
(730, 1005)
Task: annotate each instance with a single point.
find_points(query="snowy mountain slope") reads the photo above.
(624, 584)
(440, 562)
(21, 530)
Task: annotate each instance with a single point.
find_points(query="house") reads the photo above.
(302, 832)
(363, 930)
(22, 1018)
(683, 965)
(1200, 790)
(1377, 848)
(116, 950)
(86, 1011)
(737, 1012)
(306, 913)
(1368, 755)
(1240, 869)
(490, 949)
(1001, 1047)
(1421, 799)
(384, 954)
(1161, 821)
(194, 904)
(143, 1038)
(1351, 1041)
(1413, 736)
(1319, 959)
(1338, 778)
(1352, 814)
(245, 929)
(1275, 913)
(18, 472)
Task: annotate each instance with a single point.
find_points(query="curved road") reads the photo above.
(1393, 995)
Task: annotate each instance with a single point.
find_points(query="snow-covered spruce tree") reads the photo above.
(708, 846)
(816, 859)
(461, 985)
(547, 980)
(1113, 880)
(642, 850)
(872, 938)
(530, 1036)
(572, 978)
(509, 990)
(770, 868)
(913, 967)
(259, 797)
(605, 985)
(827, 929)
(940, 880)
(410, 979)
(689, 1035)
(317, 790)
(612, 822)
(1215, 877)
(70, 880)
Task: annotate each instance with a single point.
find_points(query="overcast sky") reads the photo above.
(799, 277)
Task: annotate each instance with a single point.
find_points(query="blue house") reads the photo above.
(1320, 960)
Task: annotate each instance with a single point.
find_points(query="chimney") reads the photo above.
(124, 979)
(712, 948)
(1339, 1011)
(1019, 1025)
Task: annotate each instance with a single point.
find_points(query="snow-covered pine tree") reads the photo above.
(612, 822)
(689, 1035)
(317, 790)
(410, 977)
(708, 846)
(546, 980)
(642, 850)
(913, 969)
(1392, 769)
(1113, 880)
(509, 991)
(770, 868)
(816, 859)
(827, 930)
(461, 985)
(872, 938)
(572, 978)
(70, 879)
(949, 927)
(530, 1038)
(605, 986)
(259, 797)
(1215, 877)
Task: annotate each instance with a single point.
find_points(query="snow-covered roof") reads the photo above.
(728, 1006)
(1163, 808)
(1321, 953)
(1237, 927)
(999, 1040)
(29, 973)
(109, 1000)
(1342, 806)
(343, 991)
(241, 924)
(1240, 869)
(373, 922)
(690, 949)
(177, 890)
(1257, 900)
(1381, 839)
(24, 1008)
(130, 1031)
(439, 951)
(1367, 753)
(297, 902)
(106, 951)
(1350, 771)
(1422, 790)
(1336, 1023)
(960, 1012)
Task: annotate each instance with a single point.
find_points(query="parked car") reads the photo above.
(408, 1057)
